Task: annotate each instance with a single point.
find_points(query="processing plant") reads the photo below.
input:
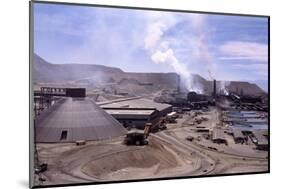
(136, 132)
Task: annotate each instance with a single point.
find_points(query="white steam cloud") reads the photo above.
(203, 53)
(162, 52)
(168, 57)
(223, 89)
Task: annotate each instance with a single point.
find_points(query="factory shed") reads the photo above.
(264, 132)
(243, 116)
(137, 102)
(136, 112)
(238, 136)
(218, 136)
(262, 141)
(256, 121)
(74, 119)
(134, 118)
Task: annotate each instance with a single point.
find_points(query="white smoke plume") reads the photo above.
(162, 53)
(203, 51)
(223, 87)
(163, 50)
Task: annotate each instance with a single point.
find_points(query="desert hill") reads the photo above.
(114, 80)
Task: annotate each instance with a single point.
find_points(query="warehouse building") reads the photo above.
(74, 119)
(134, 118)
(218, 136)
(136, 112)
(262, 141)
(238, 136)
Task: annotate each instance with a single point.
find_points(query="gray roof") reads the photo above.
(237, 133)
(260, 138)
(135, 103)
(218, 134)
(81, 118)
(129, 112)
(253, 120)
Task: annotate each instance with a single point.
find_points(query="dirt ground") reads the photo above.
(112, 160)
(168, 154)
(231, 158)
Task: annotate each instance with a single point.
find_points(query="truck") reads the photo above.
(138, 137)
(171, 117)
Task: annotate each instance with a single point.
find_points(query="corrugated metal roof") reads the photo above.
(237, 133)
(81, 118)
(136, 103)
(260, 138)
(218, 134)
(129, 112)
(252, 120)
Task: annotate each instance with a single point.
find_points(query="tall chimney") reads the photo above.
(215, 88)
(178, 83)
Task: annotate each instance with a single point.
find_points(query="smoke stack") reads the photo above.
(178, 82)
(215, 88)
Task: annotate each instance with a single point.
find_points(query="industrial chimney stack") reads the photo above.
(178, 84)
(215, 88)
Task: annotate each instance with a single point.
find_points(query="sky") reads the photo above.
(215, 46)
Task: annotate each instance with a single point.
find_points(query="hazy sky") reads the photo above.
(224, 47)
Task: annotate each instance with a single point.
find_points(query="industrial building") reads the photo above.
(74, 119)
(244, 102)
(251, 120)
(262, 141)
(55, 91)
(136, 112)
(218, 136)
(238, 136)
(198, 101)
(135, 118)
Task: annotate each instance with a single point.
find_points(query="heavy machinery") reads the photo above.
(171, 117)
(162, 123)
(41, 168)
(138, 137)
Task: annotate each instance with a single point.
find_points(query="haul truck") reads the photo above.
(138, 137)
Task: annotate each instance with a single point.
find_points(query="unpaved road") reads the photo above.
(168, 154)
(107, 161)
